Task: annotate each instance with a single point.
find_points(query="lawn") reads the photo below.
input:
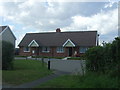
(24, 71)
(77, 81)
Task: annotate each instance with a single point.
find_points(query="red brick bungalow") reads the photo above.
(57, 44)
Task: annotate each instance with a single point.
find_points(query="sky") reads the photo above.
(34, 16)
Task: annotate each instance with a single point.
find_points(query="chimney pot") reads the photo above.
(58, 30)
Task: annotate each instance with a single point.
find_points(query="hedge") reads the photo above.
(7, 55)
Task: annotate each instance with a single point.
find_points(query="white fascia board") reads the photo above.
(70, 42)
(34, 42)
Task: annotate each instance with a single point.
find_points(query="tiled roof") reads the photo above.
(2, 28)
(79, 38)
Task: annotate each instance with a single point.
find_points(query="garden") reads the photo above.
(102, 70)
(25, 71)
(17, 72)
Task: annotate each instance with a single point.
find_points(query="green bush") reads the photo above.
(112, 57)
(116, 55)
(7, 55)
(116, 50)
(95, 59)
(105, 58)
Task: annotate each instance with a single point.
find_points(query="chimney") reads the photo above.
(58, 30)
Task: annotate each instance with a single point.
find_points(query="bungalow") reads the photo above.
(7, 35)
(57, 44)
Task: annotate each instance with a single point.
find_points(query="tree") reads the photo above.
(7, 55)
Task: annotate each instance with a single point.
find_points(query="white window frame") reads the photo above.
(86, 48)
(60, 50)
(24, 49)
(48, 48)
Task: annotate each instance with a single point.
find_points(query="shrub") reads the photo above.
(116, 50)
(105, 58)
(112, 57)
(95, 59)
(116, 56)
(7, 55)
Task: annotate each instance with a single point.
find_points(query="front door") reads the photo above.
(70, 51)
(35, 51)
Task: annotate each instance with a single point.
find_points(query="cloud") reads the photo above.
(110, 4)
(119, 19)
(1, 10)
(19, 38)
(47, 16)
(106, 23)
(12, 27)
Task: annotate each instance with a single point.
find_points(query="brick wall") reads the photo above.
(52, 53)
(22, 53)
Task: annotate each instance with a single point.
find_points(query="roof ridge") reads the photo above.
(60, 32)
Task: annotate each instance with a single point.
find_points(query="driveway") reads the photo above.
(70, 66)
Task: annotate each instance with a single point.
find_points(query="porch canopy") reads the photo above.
(68, 43)
(33, 43)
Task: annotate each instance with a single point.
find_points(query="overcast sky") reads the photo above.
(32, 16)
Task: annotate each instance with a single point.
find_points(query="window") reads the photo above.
(45, 49)
(83, 49)
(26, 49)
(60, 50)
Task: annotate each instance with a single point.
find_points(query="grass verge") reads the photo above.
(24, 71)
(77, 81)
(75, 58)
